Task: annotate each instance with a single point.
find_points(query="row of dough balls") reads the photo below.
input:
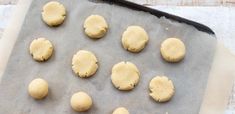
(134, 38)
(79, 101)
(172, 50)
(161, 88)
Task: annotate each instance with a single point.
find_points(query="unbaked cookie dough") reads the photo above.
(125, 75)
(120, 110)
(95, 26)
(173, 50)
(134, 38)
(161, 89)
(84, 63)
(41, 49)
(81, 101)
(38, 88)
(53, 13)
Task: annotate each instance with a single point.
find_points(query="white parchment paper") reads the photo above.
(190, 76)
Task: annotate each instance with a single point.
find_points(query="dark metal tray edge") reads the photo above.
(159, 13)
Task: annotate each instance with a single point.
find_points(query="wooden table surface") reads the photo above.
(187, 2)
(166, 2)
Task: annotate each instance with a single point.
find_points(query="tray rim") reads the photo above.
(158, 13)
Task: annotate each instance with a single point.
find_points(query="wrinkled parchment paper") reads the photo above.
(189, 76)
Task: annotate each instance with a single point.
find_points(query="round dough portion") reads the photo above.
(125, 75)
(41, 49)
(38, 88)
(161, 89)
(95, 26)
(120, 110)
(173, 50)
(81, 101)
(134, 38)
(53, 13)
(84, 63)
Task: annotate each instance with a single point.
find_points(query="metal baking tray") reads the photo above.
(69, 38)
(158, 13)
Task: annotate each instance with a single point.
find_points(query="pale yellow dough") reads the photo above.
(161, 89)
(125, 75)
(53, 13)
(84, 63)
(81, 101)
(95, 26)
(41, 49)
(38, 88)
(120, 110)
(134, 38)
(173, 50)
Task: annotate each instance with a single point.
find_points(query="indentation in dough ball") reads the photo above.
(84, 63)
(53, 13)
(81, 101)
(125, 75)
(41, 49)
(134, 38)
(38, 88)
(161, 89)
(95, 26)
(173, 50)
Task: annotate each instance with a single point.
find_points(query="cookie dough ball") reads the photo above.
(53, 13)
(125, 75)
(81, 101)
(41, 49)
(134, 38)
(84, 63)
(173, 50)
(38, 88)
(120, 110)
(161, 89)
(95, 26)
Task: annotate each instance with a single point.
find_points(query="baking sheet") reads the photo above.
(189, 76)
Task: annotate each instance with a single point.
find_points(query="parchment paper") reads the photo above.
(220, 82)
(189, 76)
